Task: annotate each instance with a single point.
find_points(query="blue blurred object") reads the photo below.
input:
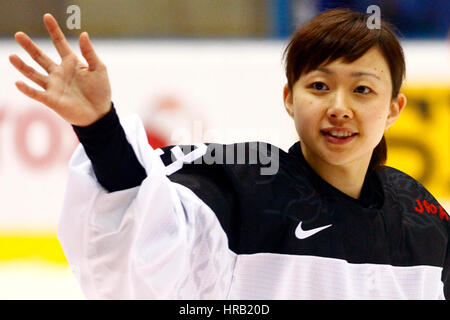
(413, 18)
(282, 18)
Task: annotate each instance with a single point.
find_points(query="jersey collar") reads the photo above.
(372, 195)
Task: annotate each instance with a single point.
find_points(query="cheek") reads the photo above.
(375, 123)
(374, 118)
(306, 116)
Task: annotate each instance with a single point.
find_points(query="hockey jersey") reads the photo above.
(192, 228)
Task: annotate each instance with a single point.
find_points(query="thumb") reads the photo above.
(88, 52)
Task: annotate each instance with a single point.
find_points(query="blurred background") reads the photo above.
(195, 71)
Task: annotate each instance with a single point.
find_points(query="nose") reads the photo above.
(340, 114)
(340, 110)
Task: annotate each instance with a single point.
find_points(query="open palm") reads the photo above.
(79, 93)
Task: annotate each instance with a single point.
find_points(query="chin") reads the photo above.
(346, 158)
(337, 161)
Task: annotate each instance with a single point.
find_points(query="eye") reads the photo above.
(319, 86)
(363, 90)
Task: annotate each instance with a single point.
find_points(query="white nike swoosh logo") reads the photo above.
(303, 234)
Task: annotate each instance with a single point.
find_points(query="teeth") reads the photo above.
(340, 134)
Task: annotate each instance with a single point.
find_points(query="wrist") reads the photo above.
(105, 120)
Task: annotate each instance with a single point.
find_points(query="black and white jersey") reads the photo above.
(207, 222)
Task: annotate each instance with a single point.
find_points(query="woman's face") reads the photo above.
(341, 110)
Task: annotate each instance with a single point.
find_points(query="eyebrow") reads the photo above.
(353, 74)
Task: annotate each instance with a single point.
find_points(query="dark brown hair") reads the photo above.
(343, 33)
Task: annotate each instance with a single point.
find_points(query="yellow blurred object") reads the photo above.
(29, 246)
(419, 142)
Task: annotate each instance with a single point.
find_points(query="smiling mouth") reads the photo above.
(338, 137)
(339, 134)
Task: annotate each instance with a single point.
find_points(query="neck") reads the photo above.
(348, 178)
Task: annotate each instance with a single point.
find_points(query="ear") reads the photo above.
(396, 108)
(288, 101)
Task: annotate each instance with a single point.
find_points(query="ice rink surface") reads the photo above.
(37, 280)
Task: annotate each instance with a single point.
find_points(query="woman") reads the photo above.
(331, 223)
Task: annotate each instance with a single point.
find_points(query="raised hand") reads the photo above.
(79, 93)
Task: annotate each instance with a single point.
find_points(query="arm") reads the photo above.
(446, 270)
(155, 239)
(113, 159)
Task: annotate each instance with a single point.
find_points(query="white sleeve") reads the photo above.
(154, 241)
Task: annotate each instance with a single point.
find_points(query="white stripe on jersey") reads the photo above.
(268, 276)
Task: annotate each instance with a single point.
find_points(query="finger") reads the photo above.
(31, 92)
(28, 71)
(88, 52)
(58, 38)
(35, 53)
